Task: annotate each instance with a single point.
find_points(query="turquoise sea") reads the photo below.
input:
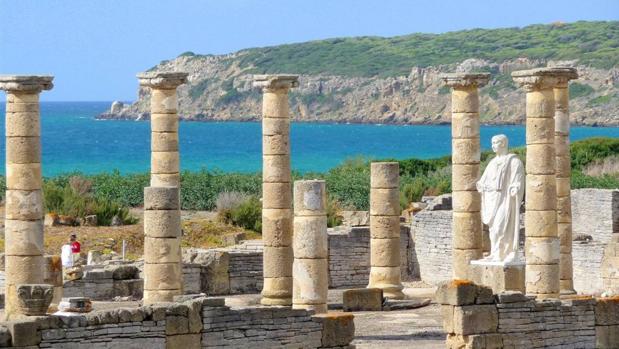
(73, 140)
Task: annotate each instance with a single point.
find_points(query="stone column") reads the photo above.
(467, 228)
(276, 188)
(563, 172)
(542, 242)
(23, 225)
(164, 163)
(385, 229)
(310, 270)
(163, 276)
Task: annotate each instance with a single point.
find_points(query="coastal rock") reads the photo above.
(116, 107)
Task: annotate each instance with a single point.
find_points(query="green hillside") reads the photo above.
(593, 43)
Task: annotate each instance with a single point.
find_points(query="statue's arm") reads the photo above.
(517, 182)
(481, 181)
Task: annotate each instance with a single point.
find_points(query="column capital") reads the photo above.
(162, 80)
(544, 78)
(463, 80)
(276, 81)
(26, 83)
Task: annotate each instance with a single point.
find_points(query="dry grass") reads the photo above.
(606, 166)
(200, 231)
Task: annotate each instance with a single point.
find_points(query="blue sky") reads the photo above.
(95, 48)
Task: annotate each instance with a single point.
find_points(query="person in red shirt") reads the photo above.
(75, 245)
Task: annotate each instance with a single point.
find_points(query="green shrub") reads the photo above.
(248, 214)
(599, 100)
(580, 90)
(334, 217)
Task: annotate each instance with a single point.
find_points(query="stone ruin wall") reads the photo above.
(595, 212)
(195, 323)
(475, 318)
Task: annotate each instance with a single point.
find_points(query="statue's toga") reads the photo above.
(502, 189)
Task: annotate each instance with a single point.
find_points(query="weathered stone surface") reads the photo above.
(24, 333)
(475, 319)
(465, 151)
(23, 176)
(277, 261)
(464, 177)
(23, 150)
(539, 130)
(607, 311)
(23, 124)
(185, 341)
(540, 193)
(606, 337)
(357, 218)
(163, 101)
(276, 144)
(384, 227)
(33, 299)
(166, 162)
(23, 238)
(384, 175)
(276, 168)
(163, 122)
(384, 202)
(275, 126)
(164, 141)
(466, 201)
(385, 252)
(276, 195)
(310, 237)
(310, 281)
(540, 159)
(161, 198)
(24, 204)
(162, 223)
(456, 292)
(162, 276)
(541, 224)
(162, 250)
(542, 279)
(363, 299)
(165, 179)
(338, 329)
(277, 227)
(465, 125)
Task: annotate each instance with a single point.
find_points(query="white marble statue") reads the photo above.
(502, 189)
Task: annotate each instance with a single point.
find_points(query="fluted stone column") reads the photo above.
(563, 171)
(542, 250)
(163, 277)
(385, 229)
(466, 227)
(23, 223)
(165, 161)
(310, 269)
(276, 188)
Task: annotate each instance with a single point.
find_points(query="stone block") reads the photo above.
(22, 107)
(5, 337)
(124, 272)
(24, 205)
(176, 325)
(162, 223)
(541, 192)
(476, 341)
(275, 104)
(467, 230)
(338, 329)
(542, 279)
(164, 141)
(540, 224)
(607, 311)
(465, 151)
(388, 279)
(464, 177)
(540, 159)
(276, 168)
(475, 319)
(277, 195)
(464, 125)
(276, 144)
(466, 201)
(447, 313)
(23, 150)
(310, 237)
(465, 100)
(163, 122)
(384, 202)
(277, 227)
(563, 187)
(310, 281)
(160, 296)
(363, 299)
(275, 126)
(166, 162)
(278, 288)
(277, 261)
(456, 292)
(24, 269)
(163, 101)
(163, 276)
(23, 238)
(563, 167)
(185, 341)
(161, 198)
(165, 179)
(564, 210)
(24, 333)
(565, 237)
(384, 227)
(310, 198)
(504, 278)
(23, 176)
(385, 252)
(565, 267)
(539, 130)
(384, 175)
(542, 250)
(162, 250)
(607, 337)
(562, 145)
(23, 124)
(540, 104)
(461, 263)
(21, 97)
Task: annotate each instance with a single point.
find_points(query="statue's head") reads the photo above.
(499, 144)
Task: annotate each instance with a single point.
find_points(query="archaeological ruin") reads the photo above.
(541, 270)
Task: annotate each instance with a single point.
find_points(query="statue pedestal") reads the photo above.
(500, 276)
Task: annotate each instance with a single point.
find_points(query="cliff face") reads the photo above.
(220, 88)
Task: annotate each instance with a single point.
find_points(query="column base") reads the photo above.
(317, 308)
(500, 277)
(276, 301)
